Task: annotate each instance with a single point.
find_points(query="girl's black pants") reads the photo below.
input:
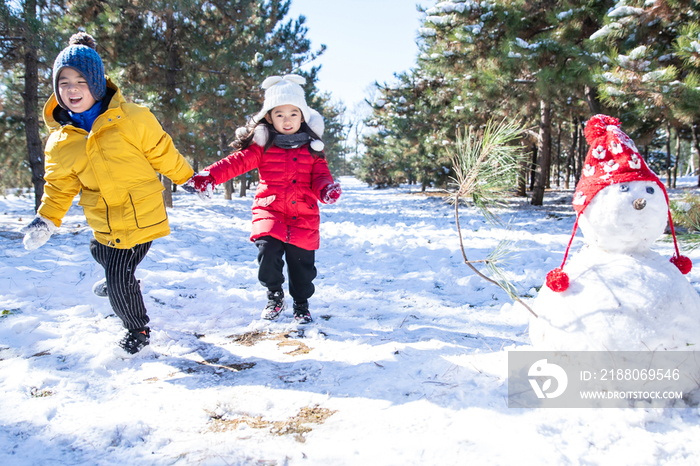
(300, 267)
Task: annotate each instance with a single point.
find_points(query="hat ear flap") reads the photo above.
(316, 122)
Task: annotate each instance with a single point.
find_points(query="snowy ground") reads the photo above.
(405, 363)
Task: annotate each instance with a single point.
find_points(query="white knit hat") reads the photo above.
(284, 90)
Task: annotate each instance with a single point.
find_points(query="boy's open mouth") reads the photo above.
(75, 100)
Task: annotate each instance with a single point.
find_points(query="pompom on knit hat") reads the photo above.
(612, 158)
(81, 56)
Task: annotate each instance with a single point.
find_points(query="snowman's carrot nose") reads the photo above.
(640, 203)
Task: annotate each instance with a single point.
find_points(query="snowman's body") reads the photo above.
(622, 296)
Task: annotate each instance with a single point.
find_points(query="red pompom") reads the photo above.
(683, 263)
(597, 126)
(558, 280)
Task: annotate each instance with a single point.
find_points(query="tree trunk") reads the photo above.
(571, 158)
(195, 152)
(244, 186)
(581, 151)
(35, 152)
(170, 95)
(668, 155)
(228, 189)
(645, 156)
(522, 178)
(533, 166)
(544, 151)
(678, 157)
(223, 147)
(592, 99)
(696, 146)
(559, 156)
(168, 191)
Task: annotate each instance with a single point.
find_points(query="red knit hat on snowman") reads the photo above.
(612, 158)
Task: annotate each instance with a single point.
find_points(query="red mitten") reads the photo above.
(202, 184)
(331, 193)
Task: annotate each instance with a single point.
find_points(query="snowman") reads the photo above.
(617, 294)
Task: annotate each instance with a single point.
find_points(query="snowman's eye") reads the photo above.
(650, 190)
(624, 188)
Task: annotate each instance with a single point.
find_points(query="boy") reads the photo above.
(110, 150)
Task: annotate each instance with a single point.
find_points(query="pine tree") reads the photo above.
(24, 44)
(484, 60)
(651, 67)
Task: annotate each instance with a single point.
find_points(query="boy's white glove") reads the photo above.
(38, 232)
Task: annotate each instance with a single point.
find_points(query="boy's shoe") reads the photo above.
(301, 313)
(135, 340)
(100, 288)
(275, 305)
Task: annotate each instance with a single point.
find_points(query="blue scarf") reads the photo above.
(84, 120)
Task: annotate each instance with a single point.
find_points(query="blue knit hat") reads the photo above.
(81, 56)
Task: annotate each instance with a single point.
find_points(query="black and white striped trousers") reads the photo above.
(122, 287)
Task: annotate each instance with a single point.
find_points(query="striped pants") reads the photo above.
(122, 287)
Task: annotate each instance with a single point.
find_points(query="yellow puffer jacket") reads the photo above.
(115, 166)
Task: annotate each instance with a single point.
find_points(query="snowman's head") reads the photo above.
(625, 217)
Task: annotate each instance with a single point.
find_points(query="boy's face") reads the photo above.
(286, 119)
(74, 91)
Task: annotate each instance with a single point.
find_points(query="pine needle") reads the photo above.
(496, 263)
(486, 168)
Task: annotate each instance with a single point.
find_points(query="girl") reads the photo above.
(283, 142)
(110, 150)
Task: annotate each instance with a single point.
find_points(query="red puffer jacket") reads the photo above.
(285, 205)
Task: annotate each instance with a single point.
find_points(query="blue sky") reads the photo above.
(367, 40)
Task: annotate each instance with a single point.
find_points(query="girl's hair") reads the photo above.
(245, 135)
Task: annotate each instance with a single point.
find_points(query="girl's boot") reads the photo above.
(275, 305)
